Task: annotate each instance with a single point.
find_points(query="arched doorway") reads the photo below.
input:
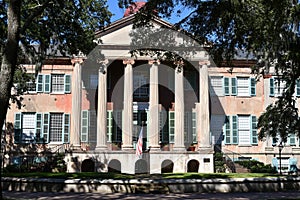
(114, 166)
(167, 166)
(141, 167)
(88, 165)
(193, 166)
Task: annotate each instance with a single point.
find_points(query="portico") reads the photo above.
(141, 91)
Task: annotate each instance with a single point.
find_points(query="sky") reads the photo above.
(118, 12)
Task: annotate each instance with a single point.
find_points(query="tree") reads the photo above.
(31, 31)
(265, 30)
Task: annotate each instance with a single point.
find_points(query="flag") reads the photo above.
(139, 145)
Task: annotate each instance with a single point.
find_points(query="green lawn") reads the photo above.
(94, 175)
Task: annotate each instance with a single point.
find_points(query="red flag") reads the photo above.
(139, 145)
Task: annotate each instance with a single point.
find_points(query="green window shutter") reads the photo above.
(38, 127)
(18, 128)
(254, 130)
(292, 139)
(171, 126)
(272, 87)
(47, 83)
(227, 131)
(68, 83)
(194, 127)
(66, 128)
(298, 88)
(84, 125)
(39, 83)
(252, 87)
(234, 86)
(234, 129)
(46, 126)
(109, 125)
(226, 86)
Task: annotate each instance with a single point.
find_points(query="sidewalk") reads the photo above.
(214, 196)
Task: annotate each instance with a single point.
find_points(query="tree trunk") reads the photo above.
(9, 56)
(9, 62)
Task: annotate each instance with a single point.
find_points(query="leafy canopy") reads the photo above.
(265, 30)
(54, 27)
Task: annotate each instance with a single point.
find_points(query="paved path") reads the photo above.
(91, 196)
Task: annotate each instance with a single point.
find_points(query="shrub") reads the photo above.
(256, 167)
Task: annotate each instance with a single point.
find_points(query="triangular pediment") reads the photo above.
(118, 33)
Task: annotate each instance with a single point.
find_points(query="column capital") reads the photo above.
(204, 62)
(151, 62)
(179, 65)
(102, 65)
(128, 61)
(79, 58)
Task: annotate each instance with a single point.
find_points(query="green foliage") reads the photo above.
(279, 119)
(219, 162)
(256, 166)
(53, 163)
(265, 30)
(63, 26)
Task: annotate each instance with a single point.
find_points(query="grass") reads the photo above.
(96, 175)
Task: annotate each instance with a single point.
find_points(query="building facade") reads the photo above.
(93, 108)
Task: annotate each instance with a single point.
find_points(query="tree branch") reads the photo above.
(37, 12)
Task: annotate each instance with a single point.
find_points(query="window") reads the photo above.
(55, 83)
(241, 129)
(171, 126)
(235, 86)
(163, 124)
(242, 86)
(28, 125)
(140, 84)
(277, 87)
(41, 127)
(216, 86)
(88, 126)
(190, 135)
(31, 85)
(117, 126)
(56, 127)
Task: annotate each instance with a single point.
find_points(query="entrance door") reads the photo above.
(140, 113)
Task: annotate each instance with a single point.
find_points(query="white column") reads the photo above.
(179, 110)
(203, 124)
(76, 103)
(101, 107)
(127, 118)
(154, 107)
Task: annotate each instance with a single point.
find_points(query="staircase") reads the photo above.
(240, 169)
(231, 166)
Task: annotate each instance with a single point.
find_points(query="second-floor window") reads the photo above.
(234, 86)
(53, 83)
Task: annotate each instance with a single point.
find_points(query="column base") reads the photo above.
(179, 148)
(207, 149)
(75, 147)
(101, 148)
(127, 147)
(154, 148)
